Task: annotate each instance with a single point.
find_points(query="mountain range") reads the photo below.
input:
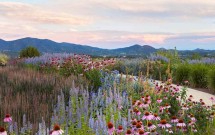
(49, 46)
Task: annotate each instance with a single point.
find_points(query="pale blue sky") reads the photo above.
(186, 24)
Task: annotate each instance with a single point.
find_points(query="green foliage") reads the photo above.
(3, 59)
(211, 79)
(174, 105)
(198, 75)
(94, 78)
(159, 71)
(182, 73)
(196, 56)
(30, 51)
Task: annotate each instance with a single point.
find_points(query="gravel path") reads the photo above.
(197, 95)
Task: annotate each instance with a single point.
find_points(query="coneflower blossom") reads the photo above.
(8, 118)
(165, 97)
(203, 104)
(190, 123)
(57, 130)
(167, 106)
(3, 131)
(163, 124)
(141, 132)
(136, 111)
(147, 116)
(181, 123)
(186, 81)
(147, 100)
(212, 99)
(110, 128)
(190, 97)
(159, 100)
(128, 132)
(174, 119)
(140, 122)
(169, 131)
(145, 104)
(139, 104)
(120, 129)
(194, 130)
(139, 126)
(212, 115)
(177, 98)
(147, 96)
(156, 117)
(151, 126)
(134, 123)
(193, 119)
(185, 107)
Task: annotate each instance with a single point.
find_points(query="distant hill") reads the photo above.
(49, 46)
(134, 50)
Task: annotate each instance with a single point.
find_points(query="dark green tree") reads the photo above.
(29, 51)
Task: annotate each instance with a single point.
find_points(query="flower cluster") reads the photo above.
(61, 60)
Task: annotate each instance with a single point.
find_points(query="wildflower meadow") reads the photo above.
(73, 94)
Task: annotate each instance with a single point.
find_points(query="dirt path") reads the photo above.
(197, 95)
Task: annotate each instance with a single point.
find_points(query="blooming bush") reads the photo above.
(3, 59)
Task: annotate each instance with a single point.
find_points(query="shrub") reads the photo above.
(3, 59)
(30, 51)
(94, 78)
(198, 75)
(182, 73)
(211, 79)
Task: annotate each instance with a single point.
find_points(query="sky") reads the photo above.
(185, 24)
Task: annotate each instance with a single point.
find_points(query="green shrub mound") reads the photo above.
(198, 76)
(211, 79)
(182, 73)
(29, 52)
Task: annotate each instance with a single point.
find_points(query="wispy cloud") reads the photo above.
(28, 12)
(111, 23)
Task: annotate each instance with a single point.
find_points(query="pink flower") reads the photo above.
(3, 131)
(138, 113)
(191, 97)
(139, 126)
(8, 118)
(57, 130)
(145, 105)
(174, 119)
(186, 82)
(212, 99)
(159, 100)
(151, 126)
(141, 132)
(120, 129)
(147, 96)
(193, 119)
(167, 106)
(185, 107)
(128, 132)
(181, 123)
(147, 116)
(110, 128)
(156, 117)
(164, 124)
